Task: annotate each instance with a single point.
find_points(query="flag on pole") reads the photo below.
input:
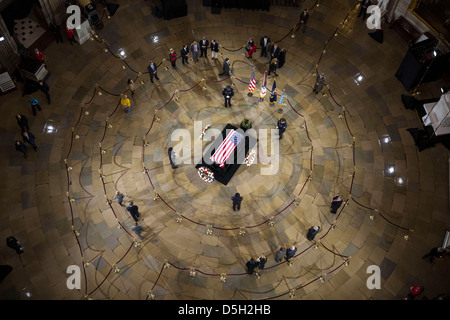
(262, 94)
(282, 98)
(252, 84)
(273, 95)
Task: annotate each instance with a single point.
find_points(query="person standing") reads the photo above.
(22, 121)
(134, 211)
(363, 9)
(21, 147)
(290, 253)
(320, 81)
(43, 86)
(39, 55)
(281, 58)
(226, 68)
(54, 28)
(335, 204)
(214, 50)
(184, 54)
(71, 34)
(195, 49)
(264, 43)
(251, 265)
(228, 93)
(172, 157)
(34, 105)
(261, 262)
(119, 197)
(173, 58)
(152, 71)
(274, 51)
(281, 126)
(436, 252)
(273, 67)
(30, 138)
(248, 45)
(131, 87)
(279, 255)
(204, 44)
(125, 102)
(312, 232)
(303, 19)
(252, 50)
(138, 230)
(237, 199)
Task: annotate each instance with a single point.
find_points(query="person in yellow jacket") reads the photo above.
(125, 103)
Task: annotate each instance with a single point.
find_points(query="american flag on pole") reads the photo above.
(227, 147)
(273, 95)
(262, 94)
(252, 84)
(282, 98)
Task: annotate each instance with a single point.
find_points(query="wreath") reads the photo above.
(206, 174)
(250, 157)
(204, 131)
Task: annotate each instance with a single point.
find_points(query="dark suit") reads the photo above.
(290, 253)
(134, 212)
(363, 10)
(45, 89)
(227, 93)
(184, 55)
(152, 71)
(303, 19)
(226, 69)
(237, 199)
(204, 47)
(274, 52)
(264, 46)
(30, 139)
(282, 125)
(23, 122)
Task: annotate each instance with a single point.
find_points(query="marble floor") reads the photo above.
(349, 140)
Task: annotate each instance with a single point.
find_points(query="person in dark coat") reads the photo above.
(264, 44)
(204, 44)
(172, 157)
(228, 93)
(184, 54)
(237, 199)
(28, 137)
(312, 233)
(274, 51)
(320, 81)
(195, 49)
(335, 204)
(134, 211)
(22, 121)
(280, 254)
(43, 86)
(273, 66)
(21, 147)
(282, 58)
(251, 265)
(281, 125)
(261, 262)
(303, 19)
(437, 252)
(226, 68)
(214, 49)
(363, 9)
(290, 252)
(34, 105)
(152, 71)
(54, 28)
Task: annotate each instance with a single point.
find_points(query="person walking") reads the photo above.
(290, 252)
(264, 43)
(152, 71)
(184, 54)
(138, 230)
(237, 199)
(335, 204)
(312, 232)
(54, 28)
(132, 87)
(30, 138)
(436, 252)
(172, 157)
(119, 197)
(228, 93)
(251, 265)
(214, 50)
(126, 104)
(280, 254)
(195, 49)
(71, 34)
(225, 68)
(134, 211)
(22, 121)
(43, 86)
(320, 81)
(21, 147)
(273, 67)
(281, 126)
(204, 44)
(34, 105)
(303, 19)
(173, 58)
(261, 262)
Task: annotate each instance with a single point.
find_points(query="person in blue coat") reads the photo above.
(134, 211)
(152, 71)
(237, 199)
